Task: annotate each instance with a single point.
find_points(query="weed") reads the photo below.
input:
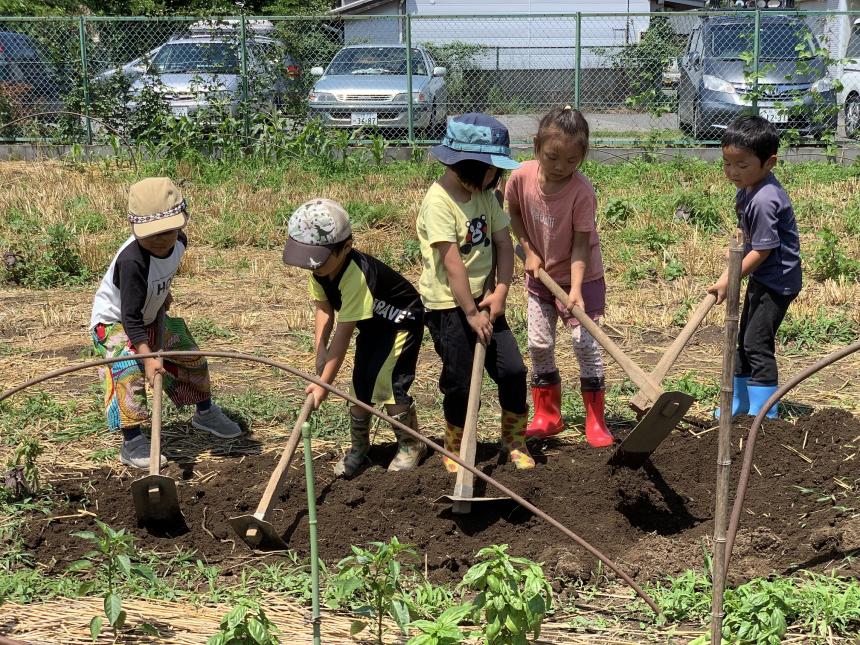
(206, 329)
(830, 262)
(616, 213)
(22, 480)
(50, 259)
(799, 333)
(703, 390)
(513, 595)
(700, 211)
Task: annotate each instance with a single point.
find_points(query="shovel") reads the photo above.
(463, 488)
(640, 402)
(156, 502)
(668, 408)
(255, 530)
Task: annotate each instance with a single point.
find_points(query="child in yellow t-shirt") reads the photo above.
(460, 225)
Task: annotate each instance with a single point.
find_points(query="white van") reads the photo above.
(851, 83)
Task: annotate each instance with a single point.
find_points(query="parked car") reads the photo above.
(850, 96)
(131, 70)
(366, 85)
(29, 83)
(715, 84)
(203, 69)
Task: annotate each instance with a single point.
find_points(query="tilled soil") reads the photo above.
(802, 509)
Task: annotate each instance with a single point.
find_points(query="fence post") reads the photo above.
(82, 41)
(756, 58)
(577, 70)
(243, 45)
(410, 132)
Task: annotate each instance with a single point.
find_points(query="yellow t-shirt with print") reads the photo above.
(470, 226)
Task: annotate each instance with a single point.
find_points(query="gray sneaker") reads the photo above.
(135, 453)
(216, 422)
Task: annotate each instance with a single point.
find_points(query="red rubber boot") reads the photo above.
(546, 397)
(595, 425)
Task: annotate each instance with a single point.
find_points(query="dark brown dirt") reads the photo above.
(654, 521)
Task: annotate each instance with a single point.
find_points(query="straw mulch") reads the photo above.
(603, 620)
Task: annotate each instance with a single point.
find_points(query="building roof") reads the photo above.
(359, 5)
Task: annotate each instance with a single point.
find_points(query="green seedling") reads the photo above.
(373, 577)
(22, 478)
(513, 596)
(245, 624)
(112, 559)
(445, 630)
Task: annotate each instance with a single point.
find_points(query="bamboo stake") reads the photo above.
(312, 527)
(724, 449)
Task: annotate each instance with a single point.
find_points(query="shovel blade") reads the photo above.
(257, 534)
(156, 504)
(649, 433)
(463, 505)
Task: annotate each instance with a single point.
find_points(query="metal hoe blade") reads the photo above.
(655, 426)
(156, 504)
(258, 533)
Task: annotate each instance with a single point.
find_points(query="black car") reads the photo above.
(717, 76)
(29, 84)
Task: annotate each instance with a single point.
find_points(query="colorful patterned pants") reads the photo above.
(186, 381)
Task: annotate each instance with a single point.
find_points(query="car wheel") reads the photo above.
(852, 116)
(701, 132)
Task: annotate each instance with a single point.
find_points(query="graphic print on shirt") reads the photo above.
(478, 233)
(159, 287)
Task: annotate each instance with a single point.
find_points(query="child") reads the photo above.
(771, 258)
(381, 304)
(459, 224)
(552, 206)
(129, 317)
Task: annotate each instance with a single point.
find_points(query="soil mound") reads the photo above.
(656, 521)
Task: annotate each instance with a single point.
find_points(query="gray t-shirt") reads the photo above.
(767, 219)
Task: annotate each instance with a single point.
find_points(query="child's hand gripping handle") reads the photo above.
(639, 378)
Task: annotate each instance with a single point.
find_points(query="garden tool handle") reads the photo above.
(469, 444)
(640, 400)
(280, 472)
(155, 433)
(639, 378)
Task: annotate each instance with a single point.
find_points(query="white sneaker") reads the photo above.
(216, 422)
(135, 453)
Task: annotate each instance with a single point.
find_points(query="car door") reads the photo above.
(688, 82)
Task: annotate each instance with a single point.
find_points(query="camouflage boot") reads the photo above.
(409, 450)
(359, 432)
(514, 439)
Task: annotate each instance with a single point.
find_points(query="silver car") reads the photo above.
(366, 85)
(203, 70)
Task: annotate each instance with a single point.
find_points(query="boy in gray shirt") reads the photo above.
(771, 258)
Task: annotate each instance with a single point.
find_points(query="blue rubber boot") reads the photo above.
(740, 397)
(758, 396)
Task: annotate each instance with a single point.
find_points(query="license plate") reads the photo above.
(773, 115)
(180, 111)
(363, 118)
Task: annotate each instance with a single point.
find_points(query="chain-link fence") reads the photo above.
(661, 77)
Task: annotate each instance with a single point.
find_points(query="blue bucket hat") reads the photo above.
(476, 136)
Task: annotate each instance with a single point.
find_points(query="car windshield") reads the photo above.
(777, 42)
(191, 58)
(376, 61)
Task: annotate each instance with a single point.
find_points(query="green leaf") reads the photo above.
(257, 631)
(113, 608)
(85, 588)
(356, 627)
(217, 639)
(149, 629)
(400, 613)
(96, 627)
(124, 564)
(120, 621)
(86, 535)
(80, 565)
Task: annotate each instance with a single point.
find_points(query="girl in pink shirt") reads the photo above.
(552, 207)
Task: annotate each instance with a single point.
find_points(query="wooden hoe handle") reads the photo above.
(468, 446)
(155, 434)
